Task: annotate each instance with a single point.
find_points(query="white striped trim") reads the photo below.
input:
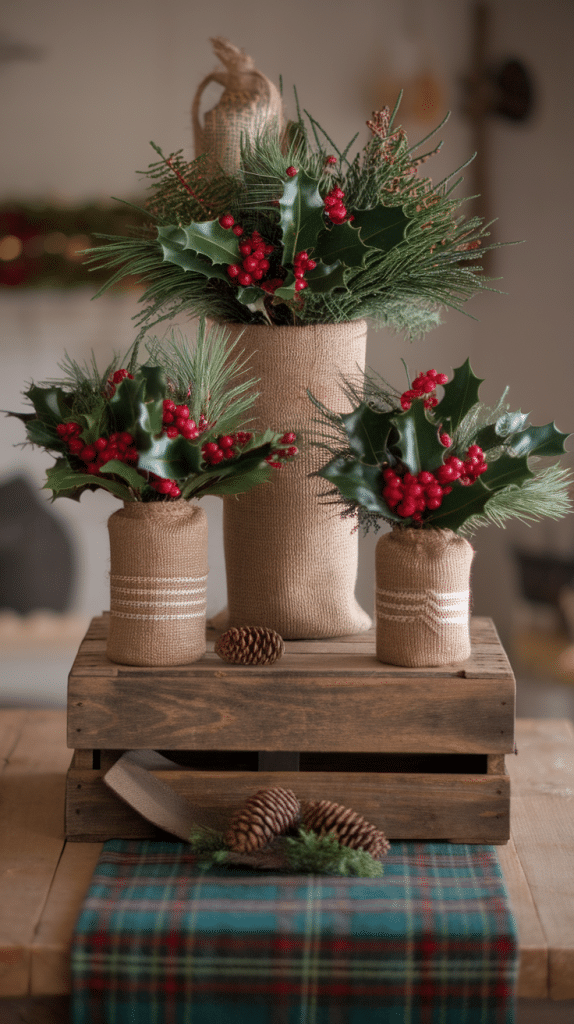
(431, 607)
(160, 579)
(152, 590)
(156, 618)
(154, 604)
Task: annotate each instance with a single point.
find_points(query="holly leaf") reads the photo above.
(359, 483)
(239, 483)
(43, 434)
(418, 444)
(326, 277)
(174, 458)
(301, 215)
(368, 432)
(546, 440)
(287, 289)
(63, 481)
(126, 472)
(151, 417)
(460, 395)
(382, 227)
(506, 470)
(341, 244)
(200, 247)
(52, 405)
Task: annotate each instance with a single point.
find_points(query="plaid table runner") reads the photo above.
(161, 941)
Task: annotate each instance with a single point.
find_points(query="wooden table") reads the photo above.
(43, 878)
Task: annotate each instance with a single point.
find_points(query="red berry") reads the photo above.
(250, 263)
(62, 430)
(75, 445)
(300, 286)
(101, 444)
(237, 230)
(291, 451)
(210, 447)
(125, 439)
(441, 378)
(424, 477)
(245, 248)
(433, 503)
(88, 453)
(288, 438)
(406, 509)
(225, 442)
(311, 264)
(172, 432)
(244, 279)
(226, 221)
(175, 491)
(445, 440)
(131, 455)
(331, 160)
(264, 265)
(291, 172)
(168, 405)
(233, 270)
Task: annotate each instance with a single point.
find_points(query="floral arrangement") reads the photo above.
(158, 431)
(417, 460)
(303, 233)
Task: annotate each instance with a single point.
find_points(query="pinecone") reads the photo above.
(250, 645)
(323, 816)
(267, 814)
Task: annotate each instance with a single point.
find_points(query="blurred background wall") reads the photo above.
(84, 88)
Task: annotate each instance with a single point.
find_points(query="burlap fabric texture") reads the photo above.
(249, 104)
(292, 561)
(158, 581)
(422, 597)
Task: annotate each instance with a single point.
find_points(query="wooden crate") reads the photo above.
(419, 752)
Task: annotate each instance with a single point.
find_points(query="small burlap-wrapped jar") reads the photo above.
(158, 582)
(422, 597)
(291, 560)
(249, 104)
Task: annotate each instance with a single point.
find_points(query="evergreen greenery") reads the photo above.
(305, 853)
(401, 251)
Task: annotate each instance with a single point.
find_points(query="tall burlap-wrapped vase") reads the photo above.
(292, 561)
(422, 597)
(158, 582)
(248, 105)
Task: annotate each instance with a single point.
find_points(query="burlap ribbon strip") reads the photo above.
(291, 560)
(423, 597)
(158, 582)
(249, 104)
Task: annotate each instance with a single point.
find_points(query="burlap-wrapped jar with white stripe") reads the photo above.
(291, 560)
(158, 583)
(423, 597)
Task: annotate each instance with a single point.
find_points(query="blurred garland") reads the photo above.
(41, 243)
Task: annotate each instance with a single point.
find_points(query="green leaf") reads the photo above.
(326, 277)
(239, 483)
(505, 471)
(382, 227)
(287, 289)
(178, 248)
(546, 440)
(151, 418)
(52, 405)
(368, 432)
(65, 482)
(301, 215)
(43, 434)
(127, 473)
(359, 483)
(341, 243)
(174, 458)
(460, 395)
(126, 404)
(418, 445)
(209, 239)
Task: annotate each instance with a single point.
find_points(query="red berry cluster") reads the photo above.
(163, 485)
(176, 421)
(410, 496)
(423, 385)
(283, 453)
(302, 263)
(254, 251)
(119, 445)
(334, 206)
(117, 378)
(225, 447)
